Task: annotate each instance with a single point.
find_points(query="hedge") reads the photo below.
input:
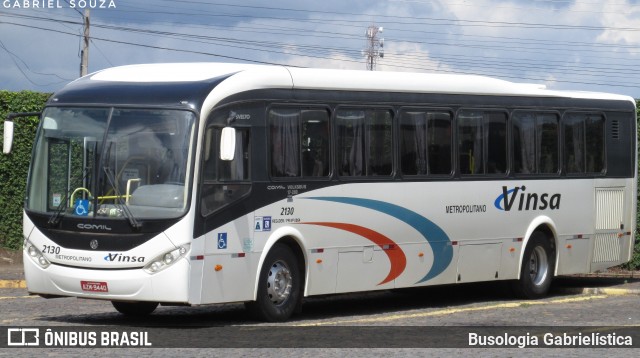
(14, 167)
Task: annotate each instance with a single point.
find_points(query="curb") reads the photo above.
(13, 284)
(610, 291)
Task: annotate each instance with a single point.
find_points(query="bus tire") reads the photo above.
(134, 308)
(278, 286)
(537, 268)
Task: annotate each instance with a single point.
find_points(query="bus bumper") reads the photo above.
(168, 285)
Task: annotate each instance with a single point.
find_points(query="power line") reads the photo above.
(500, 47)
(15, 58)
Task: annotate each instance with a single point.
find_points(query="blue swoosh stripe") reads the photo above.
(438, 240)
(501, 198)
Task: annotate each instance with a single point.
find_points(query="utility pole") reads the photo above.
(84, 62)
(375, 47)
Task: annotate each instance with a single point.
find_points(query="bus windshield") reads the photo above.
(111, 162)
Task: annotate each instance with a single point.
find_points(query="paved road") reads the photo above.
(415, 318)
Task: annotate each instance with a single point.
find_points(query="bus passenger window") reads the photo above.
(583, 143)
(364, 142)
(299, 142)
(482, 142)
(425, 143)
(535, 143)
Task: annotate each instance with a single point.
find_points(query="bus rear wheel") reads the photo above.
(134, 308)
(537, 268)
(278, 286)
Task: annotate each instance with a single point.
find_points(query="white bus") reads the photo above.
(204, 183)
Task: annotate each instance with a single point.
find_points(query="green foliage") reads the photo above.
(14, 167)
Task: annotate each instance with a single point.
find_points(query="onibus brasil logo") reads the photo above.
(526, 201)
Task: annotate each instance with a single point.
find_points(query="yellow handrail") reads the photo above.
(77, 190)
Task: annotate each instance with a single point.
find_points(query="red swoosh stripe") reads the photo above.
(396, 255)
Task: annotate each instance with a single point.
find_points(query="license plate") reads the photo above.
(93, 286)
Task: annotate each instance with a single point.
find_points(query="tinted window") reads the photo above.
(364, 144)
(425, 142)
(535, 143)
(583, 143)
(482, 142)
(299, 142)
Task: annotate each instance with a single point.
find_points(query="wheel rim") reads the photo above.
(538, 265)
(279, 282)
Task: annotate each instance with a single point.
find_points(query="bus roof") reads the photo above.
(266, 76)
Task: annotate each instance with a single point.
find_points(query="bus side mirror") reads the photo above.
(227, 143)
(8, 137)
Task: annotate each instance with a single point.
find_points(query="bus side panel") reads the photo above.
(230, 263)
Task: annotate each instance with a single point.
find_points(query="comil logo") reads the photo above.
(85, 226)
(526, 201)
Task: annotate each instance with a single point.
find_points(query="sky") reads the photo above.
(587, 45)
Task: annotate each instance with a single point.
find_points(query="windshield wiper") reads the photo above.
(120, 205)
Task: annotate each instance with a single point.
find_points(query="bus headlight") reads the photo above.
(36, 255)
(167, 259)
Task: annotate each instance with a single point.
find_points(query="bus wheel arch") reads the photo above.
(537, 264)
(280, 282)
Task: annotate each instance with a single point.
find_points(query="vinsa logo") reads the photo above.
(526, 201)
(123, 258)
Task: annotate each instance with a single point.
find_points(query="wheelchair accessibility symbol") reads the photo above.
(82, 207)
(222, 240)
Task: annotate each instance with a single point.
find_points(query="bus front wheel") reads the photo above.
(537, 268)
(134, 308)
(278, 286)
